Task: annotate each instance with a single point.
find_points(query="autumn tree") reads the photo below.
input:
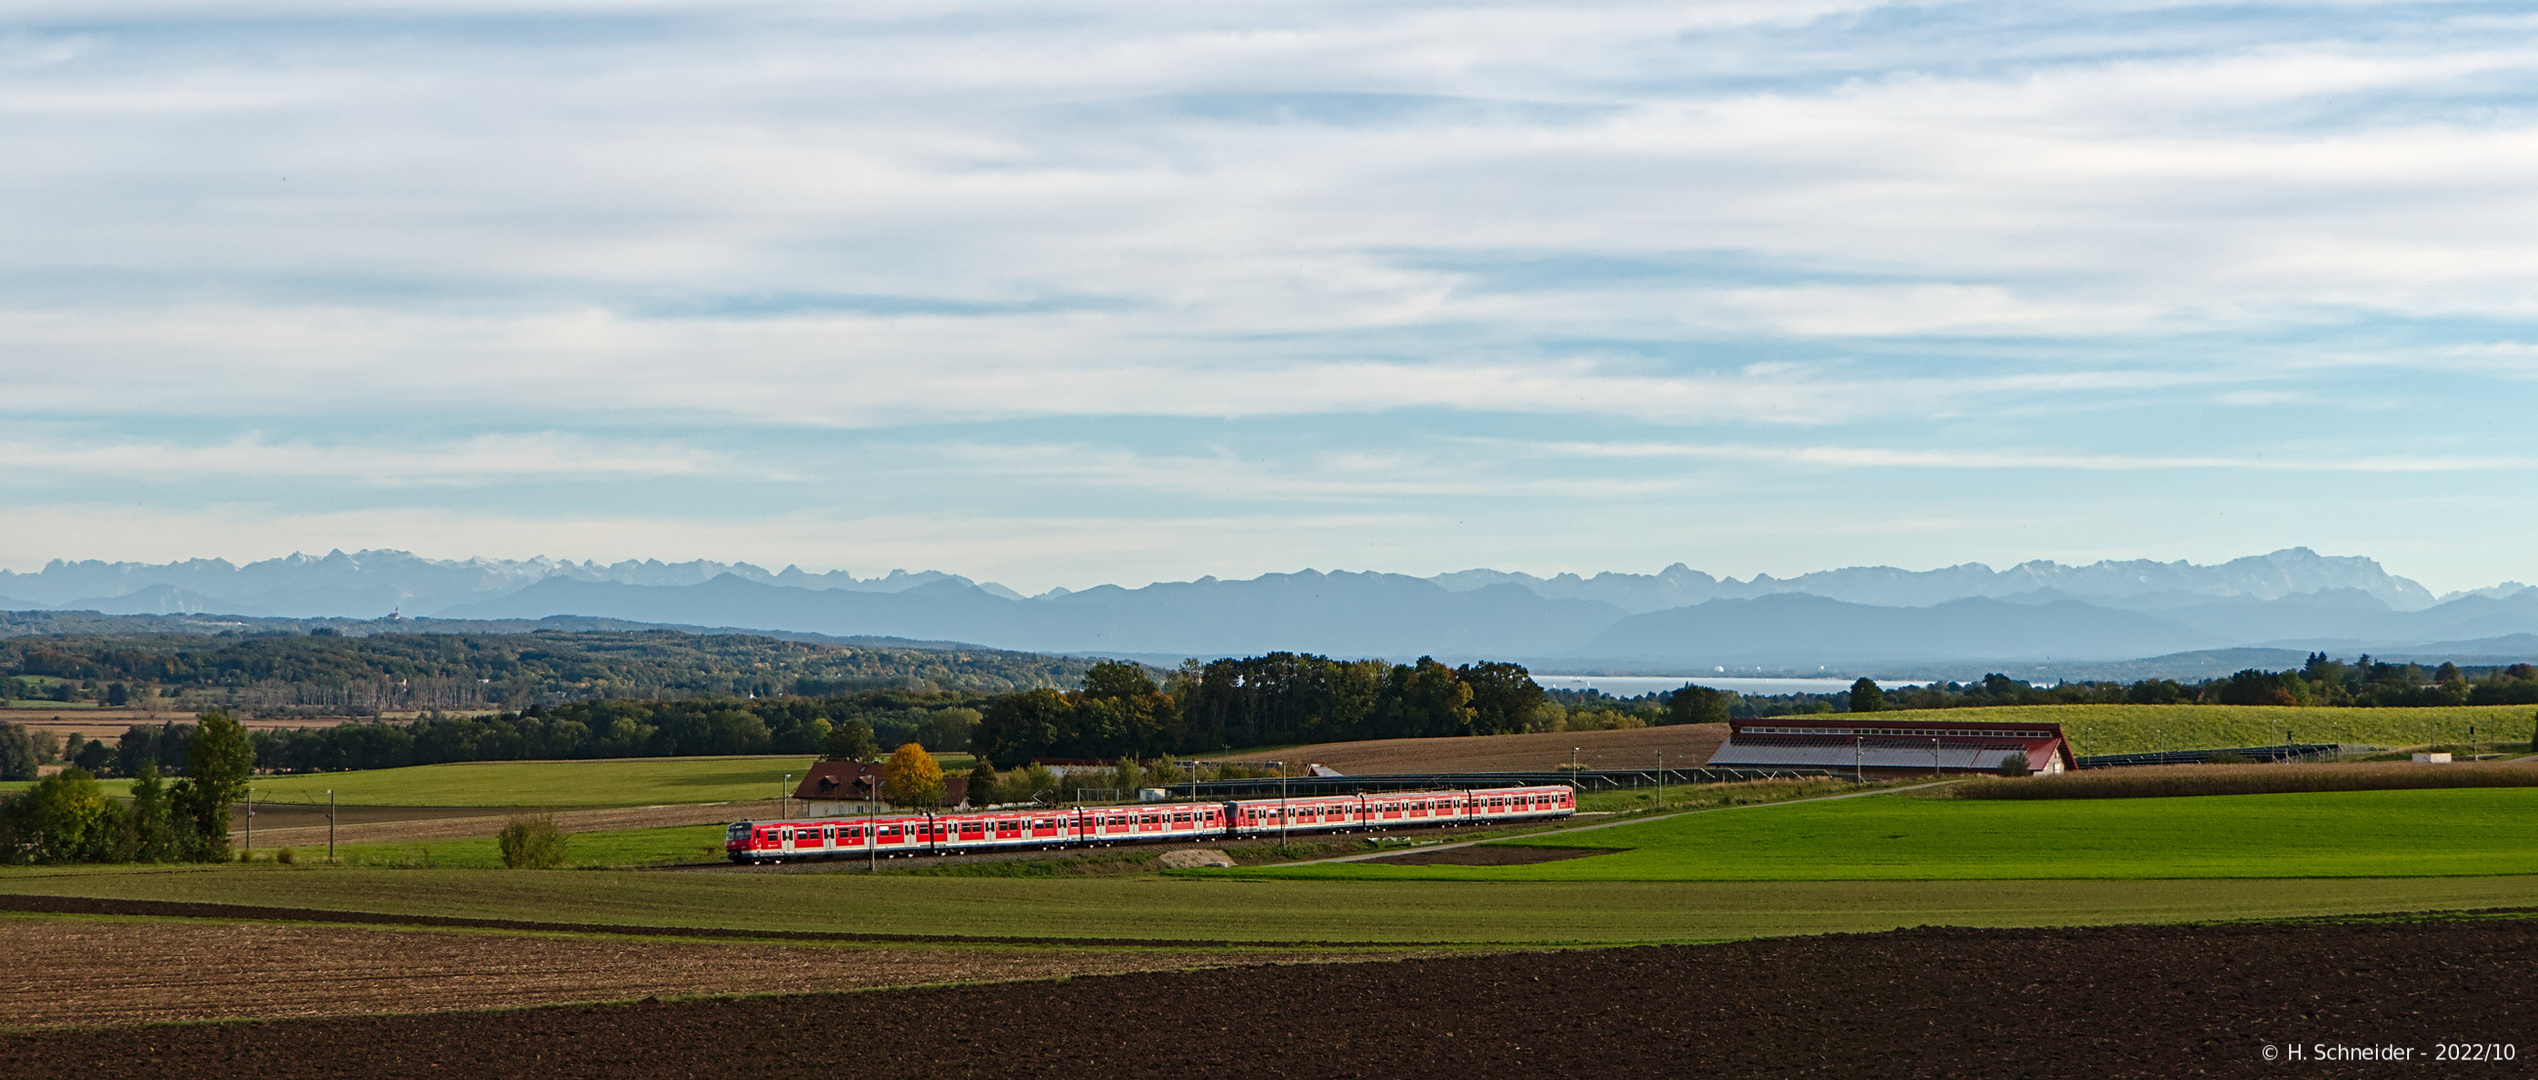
(912, 777)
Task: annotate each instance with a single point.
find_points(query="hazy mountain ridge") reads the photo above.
(367, 583)
(1859, 617)
(2288, 572)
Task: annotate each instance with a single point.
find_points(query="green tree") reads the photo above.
(66, 818)
(1696, 705)
(850, 741)
(912, 777)
(18, 753)
(982, 784)
(217, 763)
(1866, 697)
(153, 832)
(1504, 697)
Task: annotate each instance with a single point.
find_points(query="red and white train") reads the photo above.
(925, 833)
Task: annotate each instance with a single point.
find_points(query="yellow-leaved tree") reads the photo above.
(912, 778)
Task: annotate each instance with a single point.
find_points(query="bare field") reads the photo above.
(101, 972)
(1684, 746)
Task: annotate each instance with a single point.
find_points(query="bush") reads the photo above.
(285, 857)
(2013, 765)
(532, 842)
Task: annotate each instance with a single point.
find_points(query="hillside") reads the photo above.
(405, 671)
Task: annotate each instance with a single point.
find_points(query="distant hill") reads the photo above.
(1338, 613)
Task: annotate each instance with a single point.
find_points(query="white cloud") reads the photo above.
(470, 462)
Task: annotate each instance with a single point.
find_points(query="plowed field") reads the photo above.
(114, 972)
(2151, 1002)
(1684, 745)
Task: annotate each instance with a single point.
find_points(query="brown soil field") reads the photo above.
(92, 972)
(1684, 745)
(109, 724)
(2151, 1002)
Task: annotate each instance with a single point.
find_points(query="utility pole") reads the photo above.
(784, 797)
(1282, 802)
(1859, 775)
(1934, 758)
(251, 824)
(330, 825)
(1661, 779)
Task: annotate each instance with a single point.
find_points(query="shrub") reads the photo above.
(284, 856)
(2013, 764)
(531, 842)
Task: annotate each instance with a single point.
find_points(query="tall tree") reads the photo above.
(1866, 697)
(217, 763)
(1696, 705)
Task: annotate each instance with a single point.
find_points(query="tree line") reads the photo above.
(1122, 712)
(67, 818)
(572, 730)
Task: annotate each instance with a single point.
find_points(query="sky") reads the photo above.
(1054, 293)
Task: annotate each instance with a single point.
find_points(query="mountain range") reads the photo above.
(1679, 619)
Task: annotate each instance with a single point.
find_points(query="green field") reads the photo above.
(2129, 729)
(665, 845)
(1184, 909)
(2420, 833)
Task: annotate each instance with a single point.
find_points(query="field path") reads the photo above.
(1425, 849)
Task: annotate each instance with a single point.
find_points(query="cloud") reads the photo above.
(470, 462)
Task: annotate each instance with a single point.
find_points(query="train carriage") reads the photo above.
(934, 834)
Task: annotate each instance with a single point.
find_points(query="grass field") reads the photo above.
(2128, 729)
(666, 845)
(1185, 909)
(2422, 833)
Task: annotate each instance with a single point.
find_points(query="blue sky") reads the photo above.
(1058, 294)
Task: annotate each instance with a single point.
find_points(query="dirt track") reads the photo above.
(2107, 1002)
(1684, 745)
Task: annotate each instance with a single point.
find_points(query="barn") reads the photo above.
(1891, 748)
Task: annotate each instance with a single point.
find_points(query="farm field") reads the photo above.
(656, 846)
(2130, 729)
(1628, 748)
(2132, 1002)
(2347, 834)
(1166, 909)
(610, 782)
(107, 970)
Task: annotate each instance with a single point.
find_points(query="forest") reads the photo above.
(326, 673)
